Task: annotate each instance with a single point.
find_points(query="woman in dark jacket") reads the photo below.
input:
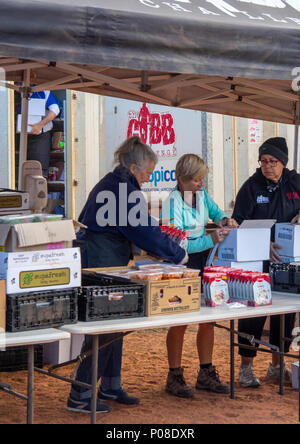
(273, 192)
(116, 216)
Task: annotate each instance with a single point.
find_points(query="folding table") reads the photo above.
(283, 303)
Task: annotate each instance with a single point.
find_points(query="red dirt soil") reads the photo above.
(144, 374)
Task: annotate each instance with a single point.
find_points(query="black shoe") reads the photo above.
(84, 406)
(119, 395)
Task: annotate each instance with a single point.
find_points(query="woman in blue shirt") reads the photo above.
(191, 207)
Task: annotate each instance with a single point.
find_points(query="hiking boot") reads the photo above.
(84, 406)
(247, 377)
(273, 374)
(176, 384)
(208, 379)
(119, 396)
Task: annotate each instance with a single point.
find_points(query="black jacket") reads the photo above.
(110, 242)
(256, 201)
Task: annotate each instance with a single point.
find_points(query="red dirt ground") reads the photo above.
(144, 374)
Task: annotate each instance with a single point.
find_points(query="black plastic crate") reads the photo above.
(106, 297)
(43, 309)
(16, 358)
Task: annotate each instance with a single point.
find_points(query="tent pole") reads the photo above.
(24, 124)
(296, 149)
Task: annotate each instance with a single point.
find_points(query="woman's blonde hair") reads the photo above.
(190, 166)
(134, 151)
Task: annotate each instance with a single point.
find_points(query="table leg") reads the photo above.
(30, 386)
(282, 344)
(95, 348)
(232, 368)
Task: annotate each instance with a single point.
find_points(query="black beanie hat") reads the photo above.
(276, 147)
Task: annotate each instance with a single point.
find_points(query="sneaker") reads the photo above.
(208, 379)
(119, 395)
(273, 374)
(84, 406)
(176, 384)
(247, 377)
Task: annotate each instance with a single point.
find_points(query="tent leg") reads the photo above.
(296, 150)
(24, 124)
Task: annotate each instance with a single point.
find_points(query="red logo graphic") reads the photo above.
(152, 128)
(293, 195)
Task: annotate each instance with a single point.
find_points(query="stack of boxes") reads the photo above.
(246, 248)
(288, 237)
(37, 257)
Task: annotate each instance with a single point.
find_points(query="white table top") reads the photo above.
(283, 303)
(32, 337)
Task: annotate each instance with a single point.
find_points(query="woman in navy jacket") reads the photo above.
(116, 216)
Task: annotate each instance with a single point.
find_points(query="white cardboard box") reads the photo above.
(76, 345)
(57, 352)
(295, 375)
(32, 119)
(288, 236)
(250, 242)
(37, 236)
(256, 266)
(41, 270)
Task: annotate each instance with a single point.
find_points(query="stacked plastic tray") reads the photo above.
(15, 358)
(285, 277)
(44, 309)
(105, 297)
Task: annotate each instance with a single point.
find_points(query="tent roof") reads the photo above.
(231, 57)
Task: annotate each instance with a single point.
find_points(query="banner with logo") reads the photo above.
(171, 132)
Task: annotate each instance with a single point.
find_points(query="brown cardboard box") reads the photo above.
(2, 306)
(168, 296)
(37, 236)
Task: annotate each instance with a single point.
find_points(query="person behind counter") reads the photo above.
(191, 207)
(113, 226)
(273, 192)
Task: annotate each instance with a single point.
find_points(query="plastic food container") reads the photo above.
(172, 273)
(190, 273)
(148, 275)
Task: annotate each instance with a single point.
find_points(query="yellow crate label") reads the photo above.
(10, 201)
(44, 278)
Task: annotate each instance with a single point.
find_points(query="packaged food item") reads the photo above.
(148, 275)
(190, 273)
(215, 287)
(172, 273)
(16, 219)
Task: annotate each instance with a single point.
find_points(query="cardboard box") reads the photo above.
(168, 296)
(256, 266)
(37, 236)
(41, 270)
(32, 119)
(288, 236)
(250, 242)
(2, 307)
(76, 345)
(57, 352)
(13, 201)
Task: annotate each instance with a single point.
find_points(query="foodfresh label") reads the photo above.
(10, 201)
(44, 278)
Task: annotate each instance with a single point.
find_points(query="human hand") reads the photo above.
(296, 219)
(274, 255)
(184, 260)
(219, 235)
(228, 222)
(36, 128)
